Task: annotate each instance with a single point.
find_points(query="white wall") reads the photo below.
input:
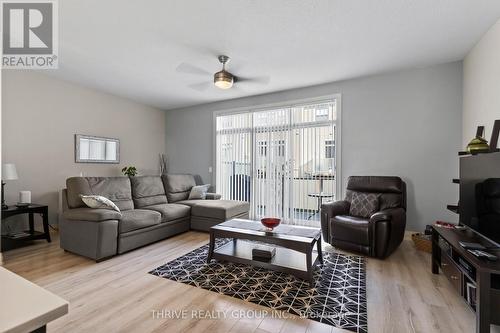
(41, 115)
(406, 123)
(481, 91)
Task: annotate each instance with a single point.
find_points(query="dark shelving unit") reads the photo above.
(454, 208)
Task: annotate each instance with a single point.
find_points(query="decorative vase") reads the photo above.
(270, 222)
(478, 145)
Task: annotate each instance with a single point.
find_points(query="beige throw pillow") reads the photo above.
(98, 201)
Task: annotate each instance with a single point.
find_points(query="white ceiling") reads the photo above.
(132, 48)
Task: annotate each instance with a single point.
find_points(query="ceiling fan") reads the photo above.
(222, 79)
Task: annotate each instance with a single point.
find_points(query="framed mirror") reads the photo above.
(95, 149)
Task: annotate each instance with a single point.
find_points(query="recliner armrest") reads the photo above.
(380, 216)
(387, 231)
(329, 210)
(386, 215)
(91, 214)
(213, 196)
(340, 207)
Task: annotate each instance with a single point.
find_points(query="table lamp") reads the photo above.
(9, 172)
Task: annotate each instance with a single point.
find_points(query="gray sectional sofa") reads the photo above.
(151, 208)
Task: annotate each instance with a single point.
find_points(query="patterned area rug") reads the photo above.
(338, 297)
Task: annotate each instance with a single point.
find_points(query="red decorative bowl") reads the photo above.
(270, 222)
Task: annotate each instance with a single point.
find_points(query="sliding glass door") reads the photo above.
(281, 160)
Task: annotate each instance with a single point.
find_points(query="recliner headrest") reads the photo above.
(377, 184)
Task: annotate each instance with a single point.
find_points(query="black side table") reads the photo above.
(32, 233)
(320, 197)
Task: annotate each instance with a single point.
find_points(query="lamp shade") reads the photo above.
(9, 171)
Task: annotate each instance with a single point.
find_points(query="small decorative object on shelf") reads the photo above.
(494, 136)
(270, 222)
(25, 197)
(130, 171)
(478, 145)
(422, 242)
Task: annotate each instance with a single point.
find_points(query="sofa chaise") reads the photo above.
(152, 208)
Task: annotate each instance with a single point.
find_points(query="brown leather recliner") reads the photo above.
(377, 236)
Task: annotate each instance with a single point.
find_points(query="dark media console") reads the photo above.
(476, 280)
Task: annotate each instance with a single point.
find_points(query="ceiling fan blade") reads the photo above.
(191, 69)
(255, 79)
(235, 67)
(200, 86)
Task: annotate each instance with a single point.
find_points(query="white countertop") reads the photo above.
(24, 306)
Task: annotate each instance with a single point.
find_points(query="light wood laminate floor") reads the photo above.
(118, 295)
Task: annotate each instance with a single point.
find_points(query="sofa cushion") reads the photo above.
(147, 191)
(76, 186)
(170, 212)
(191, 203)
(116, 189)
(220, 209)
(134, 219)
(91, 214)
(177, 187)
(350, 229)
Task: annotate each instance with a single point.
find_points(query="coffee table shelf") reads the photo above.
(285, 260)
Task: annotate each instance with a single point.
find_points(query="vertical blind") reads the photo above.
(280, 159)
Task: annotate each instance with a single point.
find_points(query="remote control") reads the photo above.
(482, 254)
(471, 246)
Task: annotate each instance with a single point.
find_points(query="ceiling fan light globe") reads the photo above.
(223, 80)
(223, 84)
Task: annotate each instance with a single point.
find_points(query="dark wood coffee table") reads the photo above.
(294, 246)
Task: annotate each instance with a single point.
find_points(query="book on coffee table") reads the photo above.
(263, 252)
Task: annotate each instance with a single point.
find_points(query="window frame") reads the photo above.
(288, 104)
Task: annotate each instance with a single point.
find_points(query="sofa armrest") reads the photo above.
(213, 196)
(388, 228)
(91, 214)
(329, 210)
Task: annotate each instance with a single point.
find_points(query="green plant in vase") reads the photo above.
(130, 171)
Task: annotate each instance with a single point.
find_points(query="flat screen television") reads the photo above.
(479, 204)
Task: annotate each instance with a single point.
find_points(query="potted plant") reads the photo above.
(130, 171)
